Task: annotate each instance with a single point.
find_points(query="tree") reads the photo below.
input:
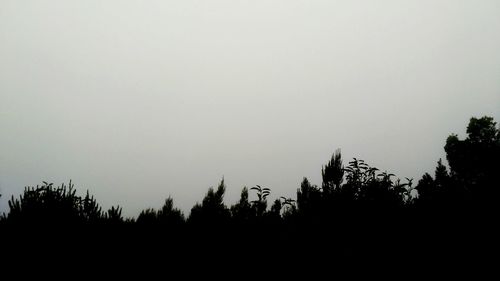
(426, 188)
(212, 209)
(309, 199)
(114, 215)
(474, 160)
(333, 173)
(49, 205)
(148, 217)
(170, 216)
(167, 216)
(90, 209)
(242, 211)
(483, 130)
(441, 176)
(260, 205)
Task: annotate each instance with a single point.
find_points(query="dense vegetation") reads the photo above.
(358, 209)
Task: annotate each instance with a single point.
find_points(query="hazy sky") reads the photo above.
(138, 100)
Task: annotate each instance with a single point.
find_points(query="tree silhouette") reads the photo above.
(358, 211)
(114, 215)
(242, 212)
(168, 216)
(148, 217)
(309, 199)
(474, 160)
(91, 210)
(212, 209)
(260, 205)
(333, 173)
(48, 205)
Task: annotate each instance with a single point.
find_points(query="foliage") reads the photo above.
(212, 210)
(333, 173)
(61, 205)
(474, 160)
(356, 206)
(242, 211)
(260, 205)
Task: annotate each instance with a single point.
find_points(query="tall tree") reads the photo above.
(212, 208)
(333, 173)
(474, 160)
(242, 211)
(308, 198)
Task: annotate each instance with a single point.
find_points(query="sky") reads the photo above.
(139, 100)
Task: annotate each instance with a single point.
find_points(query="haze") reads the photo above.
(139, 100)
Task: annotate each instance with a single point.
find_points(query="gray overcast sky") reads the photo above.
(138, 100)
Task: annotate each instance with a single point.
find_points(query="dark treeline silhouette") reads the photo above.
(358, 212)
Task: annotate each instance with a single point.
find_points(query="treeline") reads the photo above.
(357, 185)
(356, 206)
